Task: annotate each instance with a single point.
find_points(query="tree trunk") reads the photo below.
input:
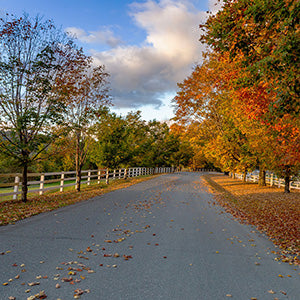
(287, 184)
(245, 175)
(24, 182)
(77, 163)
(287, 178)
(262, 177)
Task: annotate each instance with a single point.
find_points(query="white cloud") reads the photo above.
(105, 36)
(141, 74)
(215, 5)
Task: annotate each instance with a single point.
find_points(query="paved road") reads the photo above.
(176, 245)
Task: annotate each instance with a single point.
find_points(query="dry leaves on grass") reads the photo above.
(269, 209)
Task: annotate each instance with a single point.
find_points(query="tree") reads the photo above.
(264, 36)
(34, 55)
(87, 92)
(111, 148)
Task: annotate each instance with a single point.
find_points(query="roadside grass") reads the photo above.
(14, 210)
(36, 186)
(268, 208)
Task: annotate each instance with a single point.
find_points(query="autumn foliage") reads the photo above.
(242, 102)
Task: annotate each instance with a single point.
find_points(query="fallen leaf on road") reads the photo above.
(271, 292)
(79, 292)
(228, 295)
(282, 292)
(33, 283)
(65, 279)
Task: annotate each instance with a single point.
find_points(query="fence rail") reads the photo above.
(271, 179)
(41, 182)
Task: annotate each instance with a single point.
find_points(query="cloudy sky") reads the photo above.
(146, 46)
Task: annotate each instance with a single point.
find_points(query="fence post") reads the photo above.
(120, 173)
(42, 184)
(107, 176)
(99, 176)
(16, 187)
(62, 180)
(89, 178)
(272, 180)
(125, 174)
(114, 176)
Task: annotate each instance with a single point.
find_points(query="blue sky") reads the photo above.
(146, 46)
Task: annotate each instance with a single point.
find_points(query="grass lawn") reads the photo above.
(37, 186)
(268, 208)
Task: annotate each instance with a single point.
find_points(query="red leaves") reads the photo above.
(67, 279)
(127, 257)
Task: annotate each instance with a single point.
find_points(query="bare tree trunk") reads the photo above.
(24, 182)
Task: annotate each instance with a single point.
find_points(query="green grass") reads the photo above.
(53, 184)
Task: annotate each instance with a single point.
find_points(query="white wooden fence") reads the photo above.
(271, 179)
(61, 180)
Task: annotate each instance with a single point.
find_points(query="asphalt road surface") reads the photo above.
(159, 239)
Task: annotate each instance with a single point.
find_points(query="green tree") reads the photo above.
(88, 94)
(34, 55)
